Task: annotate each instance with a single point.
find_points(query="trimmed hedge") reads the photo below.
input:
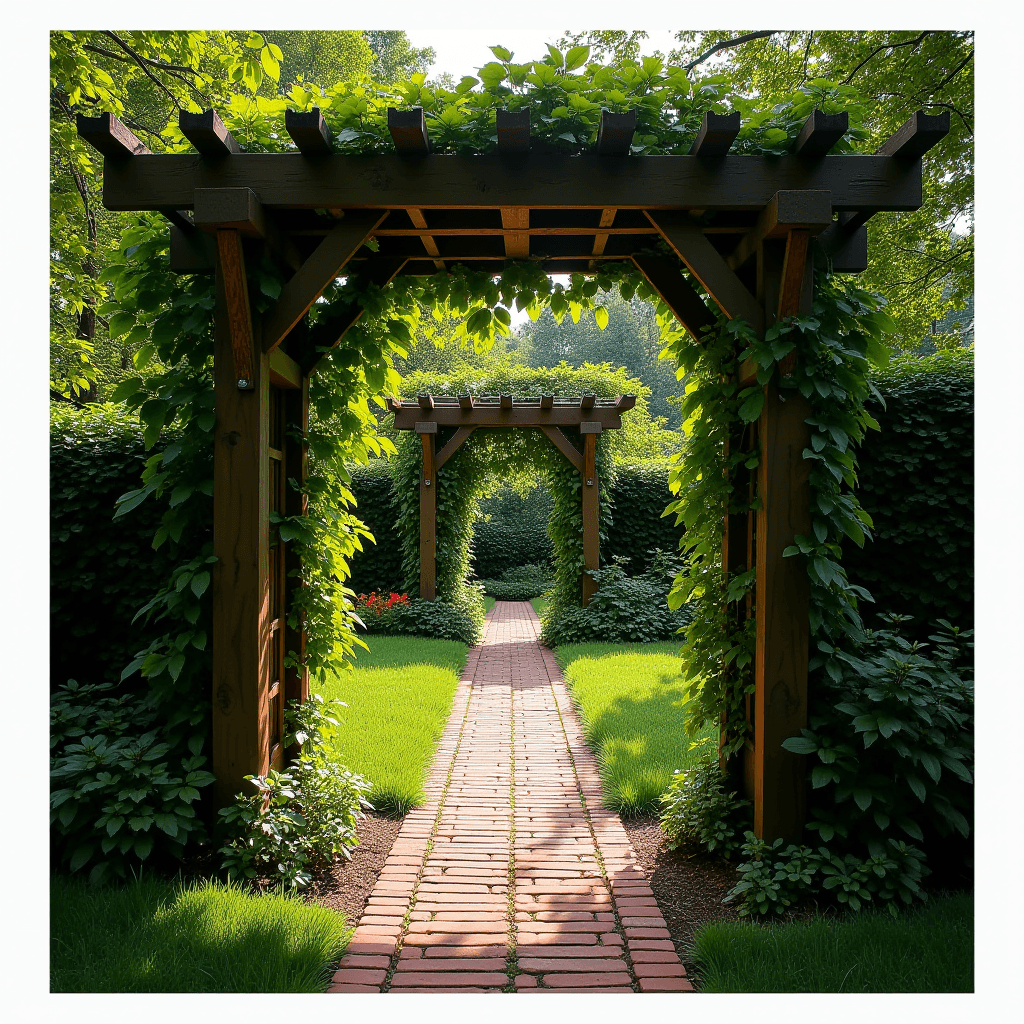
(512, 532)
(917, 482)
(639, 496)
(379, 567)
(101, 571)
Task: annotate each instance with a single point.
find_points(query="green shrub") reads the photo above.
(378, 567)
(916, 479)
(299, 818)
(697, 808)
(520, 583)
(439, 620)
(101, 571)
(623, 610)
(119, 794)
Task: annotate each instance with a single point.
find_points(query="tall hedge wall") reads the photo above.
(379, 567)
(101, 571)
(513, 531)
(917, 482)
(639, 496)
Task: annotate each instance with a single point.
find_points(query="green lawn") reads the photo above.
(399, 697)
(926, 950)
(155, 936)
(488, 603)
(632, 702)
(539, 604)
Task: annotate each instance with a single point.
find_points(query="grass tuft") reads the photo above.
(632, 701)
(930, 949)
(399, 697)
(153, 935)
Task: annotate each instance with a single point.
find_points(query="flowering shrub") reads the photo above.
(377, 605)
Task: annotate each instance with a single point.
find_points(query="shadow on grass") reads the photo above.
(151, 935)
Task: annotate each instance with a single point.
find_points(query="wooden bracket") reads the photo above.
(677, 293)
(284, 371)
(916, 136)
(565, 446)
(454, 444)
(232, 263)
(323, 266)
(709, 267)
(806, 210)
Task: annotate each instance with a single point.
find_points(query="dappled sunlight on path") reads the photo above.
(512, 877)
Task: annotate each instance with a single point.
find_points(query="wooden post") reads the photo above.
(296, 414)
(241, 586)
(428, 514)
(591, 537)
(782, 594)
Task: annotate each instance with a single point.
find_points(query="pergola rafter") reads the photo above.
(748, 230)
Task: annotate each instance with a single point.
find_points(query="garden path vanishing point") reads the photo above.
(512, 877)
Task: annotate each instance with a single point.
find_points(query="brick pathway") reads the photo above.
(506, 880)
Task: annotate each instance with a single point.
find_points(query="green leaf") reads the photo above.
(800, 745)
(200, 581)
(601, 317)
(751, 408)
(501, 53)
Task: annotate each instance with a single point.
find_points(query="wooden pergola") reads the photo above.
(747, 228)
(458, 416)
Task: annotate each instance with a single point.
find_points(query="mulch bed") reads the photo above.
(689, 885)
(345, 885)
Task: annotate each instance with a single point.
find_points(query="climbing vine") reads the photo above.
(833, 349)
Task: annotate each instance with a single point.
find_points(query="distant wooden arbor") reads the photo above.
(458, 416)
(747, 228)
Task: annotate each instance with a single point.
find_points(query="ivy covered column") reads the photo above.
(781, 600)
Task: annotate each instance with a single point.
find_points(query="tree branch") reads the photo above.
(738, 41)
(136, 58)
(956, 71)
(807, 54)
(141, 63)
(888, 46)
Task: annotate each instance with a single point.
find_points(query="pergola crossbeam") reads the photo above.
(206, 131)
(309, 132)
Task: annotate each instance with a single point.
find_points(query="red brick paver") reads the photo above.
(512, 877)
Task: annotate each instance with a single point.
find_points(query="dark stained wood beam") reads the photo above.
(235, 208)
(454, 444)
(409, 130)
(820, 132)
(615, 134)
(564, 445)
(547, 401)
(192, 252)
(587, 401)
(107, 135)
(709, 267)
(513, 220)
(505, 402)
(515, 415)
(793, 268)
(513, 127)
(465, 401)
(601, 238)
(308, 131)
(236, 296)
(420, 223)
(535, 180)
(808, 211)
(426, 402)
(846, 251)
(284, 371)
(625, 402)
(665, 277)
(603, 229)
(329, 332)
(207, 133)
(717, 133)
(312, 278)
(914, 138)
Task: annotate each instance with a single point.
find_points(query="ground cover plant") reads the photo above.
(929, 949)
(632, 700)
(519, 583)
(398, 696)
(154, 935)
